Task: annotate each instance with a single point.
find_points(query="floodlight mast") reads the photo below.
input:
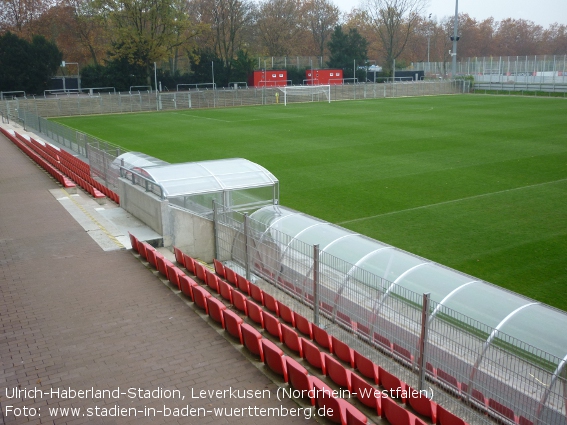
(455, 38)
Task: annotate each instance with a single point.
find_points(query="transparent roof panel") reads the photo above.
(485, 303)
(540, 326)
(537, 325)
(198, 185)
(137, 160)
(323, 234)
(209, 176)
(353, 247)
(389, 264)
(429, 277)
(292, 225)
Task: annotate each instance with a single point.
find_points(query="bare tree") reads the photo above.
(18, 15)
(278, 25)
(393, 21)
(225, 24)
(320, 17)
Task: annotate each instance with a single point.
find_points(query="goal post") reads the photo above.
(306, 93)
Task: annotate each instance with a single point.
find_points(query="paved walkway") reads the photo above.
(74, 317)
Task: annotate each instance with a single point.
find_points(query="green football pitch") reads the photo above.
(477, 183)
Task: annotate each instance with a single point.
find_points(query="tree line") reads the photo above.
(117, 41)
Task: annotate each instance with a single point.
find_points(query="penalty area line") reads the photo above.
(449, 202)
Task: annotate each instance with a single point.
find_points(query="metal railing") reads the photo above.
(110, 103)
(541, 69)
(468, 362)
(139, 180)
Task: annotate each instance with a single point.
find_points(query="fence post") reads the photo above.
(423, 340)
(316, 284)
(247, 245)
(215, 229)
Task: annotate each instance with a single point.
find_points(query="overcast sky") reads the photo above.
(542, 12)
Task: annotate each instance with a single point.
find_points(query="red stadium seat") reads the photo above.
(321, 337)
(256, 293)
(200, 296)
(252, 340)
(216, 309)
(403, 353)
(241, 282)
(337, 408)
(396, 414)
(366, 367)
(303, 325)
(186, 285)
(525, 421)
(219, 268)
(151, 254)
(395, 386)
(444, 417)
(383, 342)
(239, 301)
(255, 312)
(313, 355)
(291, 340)
(142, 250)
(173, 274)
(160, 263)
(200, 271)
(449, 380)
(274, 358)
(422, 405)
(233, 324)
(337, 372)
(178, 256)
(271, 303)
(366, 393)
(299, 379)
(225, 290)
(343, 351)
(230, 276)
(353, 418)
(212, 280)
(503, 410)
(272, 325)
(189, 264)
(286, 313)
(133, 242)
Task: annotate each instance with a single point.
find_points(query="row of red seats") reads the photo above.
(273, 356)
(305, 348)
(73, 167)
(269, 353)
(56, 174)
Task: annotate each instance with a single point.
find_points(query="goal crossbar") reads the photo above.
(306, 93)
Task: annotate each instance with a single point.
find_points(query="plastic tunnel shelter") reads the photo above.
(237, 183)
(506, 313)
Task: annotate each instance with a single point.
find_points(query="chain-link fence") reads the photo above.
(546, 73)
(32, 112)
(478, 372)
(110, 103)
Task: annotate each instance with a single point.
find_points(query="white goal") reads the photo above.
(306, 93)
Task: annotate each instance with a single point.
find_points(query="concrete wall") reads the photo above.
(145, 206)
(193, 234)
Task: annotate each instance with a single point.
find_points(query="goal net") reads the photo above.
(306, 93)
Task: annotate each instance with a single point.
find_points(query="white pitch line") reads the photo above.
(449, 202)
(203, 118)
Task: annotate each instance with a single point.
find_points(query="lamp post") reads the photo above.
(428, 40)
(455, 38)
